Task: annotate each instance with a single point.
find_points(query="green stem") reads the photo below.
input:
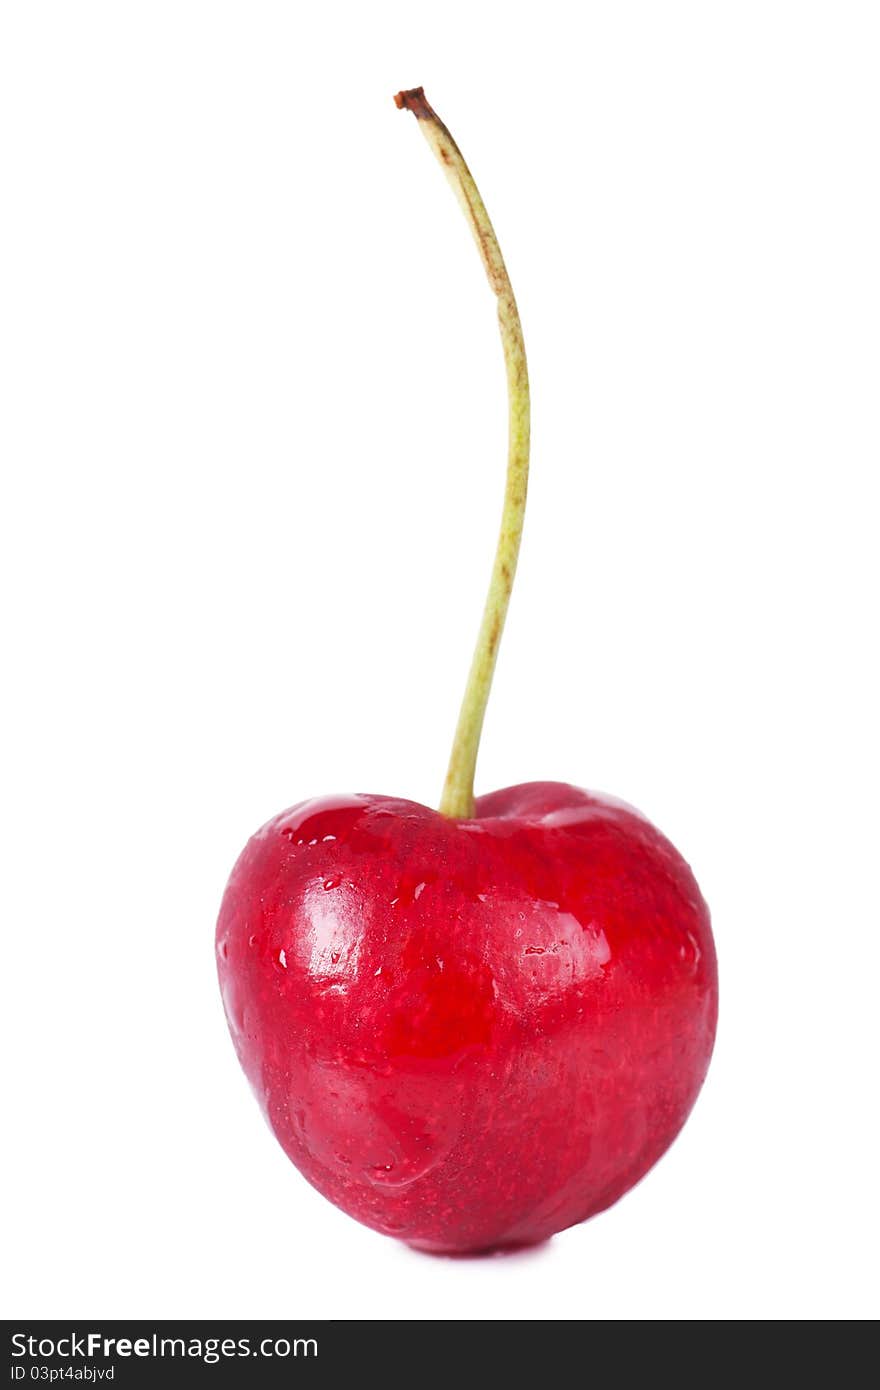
(458, 790)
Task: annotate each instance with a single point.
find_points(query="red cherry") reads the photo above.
(471, 1033)
(474, 1027)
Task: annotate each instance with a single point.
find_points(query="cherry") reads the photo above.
(472, 1027)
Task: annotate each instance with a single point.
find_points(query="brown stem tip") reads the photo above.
(414, 101)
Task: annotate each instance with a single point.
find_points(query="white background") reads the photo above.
(253, 443)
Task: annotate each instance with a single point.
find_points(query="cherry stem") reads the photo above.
(457, 800)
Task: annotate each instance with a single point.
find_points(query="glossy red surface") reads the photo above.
(469, 1034)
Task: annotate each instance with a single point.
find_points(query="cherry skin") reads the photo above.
(469, 1033)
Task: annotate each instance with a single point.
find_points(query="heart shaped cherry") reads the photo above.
(472, 1027)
